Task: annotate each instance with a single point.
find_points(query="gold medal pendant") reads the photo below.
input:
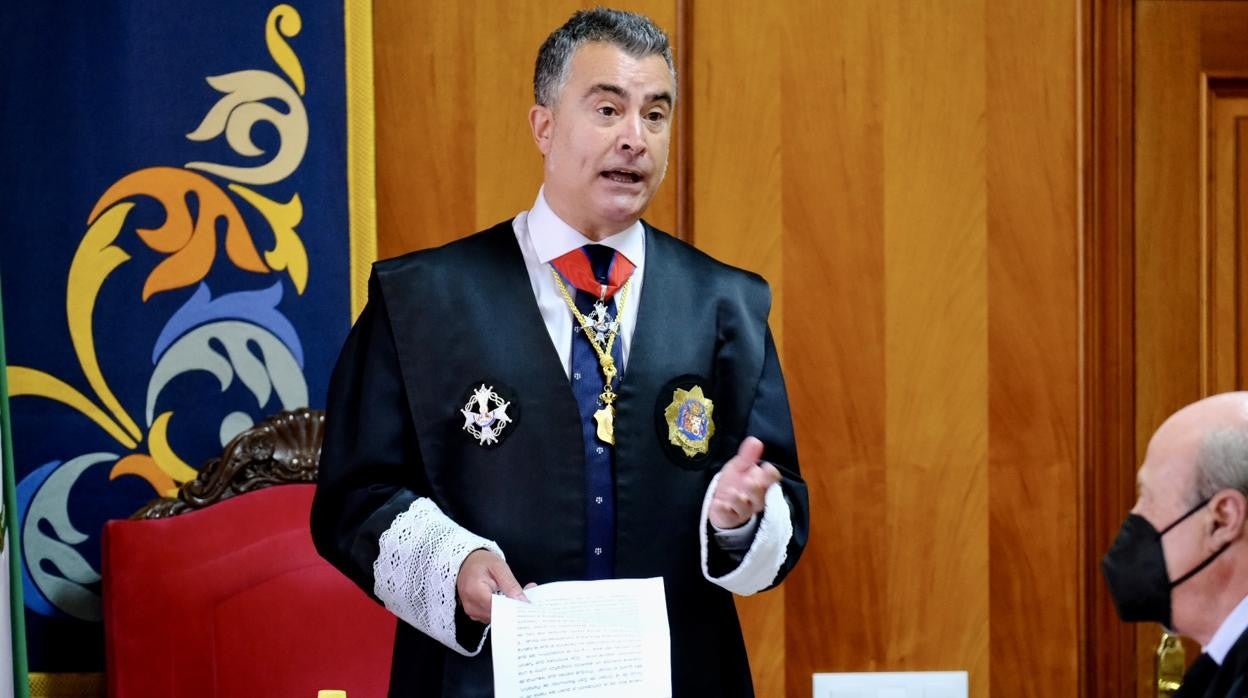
(605, 418)
(601, 331)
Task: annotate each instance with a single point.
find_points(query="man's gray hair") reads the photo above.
(633, 34)
(1222, 463)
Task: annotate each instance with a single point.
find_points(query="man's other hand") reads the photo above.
(743, 484)
(481, 575)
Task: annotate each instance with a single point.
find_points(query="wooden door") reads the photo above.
(1191, 184)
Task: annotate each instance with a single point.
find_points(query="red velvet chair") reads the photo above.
(219, 592)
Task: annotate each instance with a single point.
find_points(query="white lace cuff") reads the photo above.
(417, 567)
(761, 564)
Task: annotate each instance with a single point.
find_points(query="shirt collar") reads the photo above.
(552, 238)
(1228, 632)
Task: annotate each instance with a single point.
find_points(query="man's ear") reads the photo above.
(541, 119)
(1229, 510)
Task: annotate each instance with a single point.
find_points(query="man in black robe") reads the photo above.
(571, 394)
(1181, 558)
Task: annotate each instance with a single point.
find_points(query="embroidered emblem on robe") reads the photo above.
(689, 422)
(485, 415)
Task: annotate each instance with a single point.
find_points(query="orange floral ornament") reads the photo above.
(191, 245)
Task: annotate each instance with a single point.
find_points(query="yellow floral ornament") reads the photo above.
(689, 423)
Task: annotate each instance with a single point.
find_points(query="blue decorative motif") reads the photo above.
(256, 307)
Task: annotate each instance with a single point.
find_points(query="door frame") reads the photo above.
(1107, 423)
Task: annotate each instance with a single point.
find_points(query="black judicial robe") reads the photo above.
(440, 322)
(1229, 680)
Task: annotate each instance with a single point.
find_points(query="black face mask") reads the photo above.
(1135, 570)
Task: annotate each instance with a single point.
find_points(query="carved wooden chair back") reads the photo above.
(219, 591)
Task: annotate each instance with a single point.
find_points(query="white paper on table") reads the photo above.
(600, 639)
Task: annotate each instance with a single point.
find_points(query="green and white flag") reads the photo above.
(13, 682)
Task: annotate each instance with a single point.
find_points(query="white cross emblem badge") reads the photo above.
(485, 415)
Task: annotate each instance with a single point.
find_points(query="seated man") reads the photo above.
(1181, 559)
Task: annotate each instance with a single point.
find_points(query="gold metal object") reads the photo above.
(1171, 663)
(689, 422)
(604, 417)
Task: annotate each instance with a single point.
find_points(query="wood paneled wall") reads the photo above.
(907, 176)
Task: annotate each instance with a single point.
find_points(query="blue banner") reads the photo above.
(175, 259)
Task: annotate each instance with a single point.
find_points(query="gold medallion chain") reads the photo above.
(605, 417)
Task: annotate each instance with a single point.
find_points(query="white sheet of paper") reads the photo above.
(896, 684)
(601, 639)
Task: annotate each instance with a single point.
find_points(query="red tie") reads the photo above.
(579, 267)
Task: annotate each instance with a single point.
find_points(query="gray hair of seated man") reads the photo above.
(1222, 463)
